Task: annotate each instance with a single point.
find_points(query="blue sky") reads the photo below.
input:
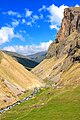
(29, 26)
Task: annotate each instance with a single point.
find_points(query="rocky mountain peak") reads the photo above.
(70, 23)
(68, 37)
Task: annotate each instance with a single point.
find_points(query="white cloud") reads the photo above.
(41, 16)
(54, 27)
(56, 13)
(22, 31)
(10, 48)
(42, 8)
(19, 36)
(26, 50)
(15, 23)
(76, 5)
(23, 21)
(35, 17)
(6, 33)
(32, 20)
(12, 13)
(19, 16)
(29, 24)
(28, 13)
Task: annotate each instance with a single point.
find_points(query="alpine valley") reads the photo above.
(57, 77)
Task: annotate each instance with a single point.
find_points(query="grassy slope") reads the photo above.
(60, 104)
(44, 69)
(64, 103)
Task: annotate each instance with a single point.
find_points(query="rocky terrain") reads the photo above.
(62, 64)
(70, 23)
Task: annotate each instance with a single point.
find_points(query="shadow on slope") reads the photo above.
(24, 60)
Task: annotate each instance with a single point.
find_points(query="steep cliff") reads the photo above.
(62, 64)
(68, 37)
(70, 23)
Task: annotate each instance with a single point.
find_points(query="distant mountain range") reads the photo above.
(38, 57)
(28, 62)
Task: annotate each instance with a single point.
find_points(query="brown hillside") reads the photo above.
(14, 80)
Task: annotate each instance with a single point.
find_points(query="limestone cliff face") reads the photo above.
(70, 23)
(68, 37)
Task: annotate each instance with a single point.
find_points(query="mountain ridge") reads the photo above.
(26, 61)
(14, 80)
(38, 57)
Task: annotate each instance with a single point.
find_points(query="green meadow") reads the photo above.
(48, 104)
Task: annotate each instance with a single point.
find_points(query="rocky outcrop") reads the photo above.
(61, 68)
(70, 23)
(68, 38)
